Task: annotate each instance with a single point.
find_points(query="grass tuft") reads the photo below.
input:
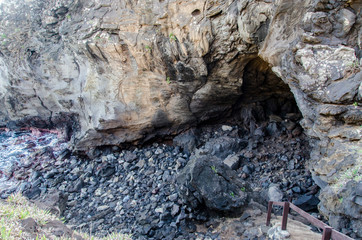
(17, 207)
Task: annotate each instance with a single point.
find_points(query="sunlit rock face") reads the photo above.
(129, 71)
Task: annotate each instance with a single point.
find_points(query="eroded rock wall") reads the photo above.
(127, 71)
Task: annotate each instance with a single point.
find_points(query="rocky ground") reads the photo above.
(138, 191)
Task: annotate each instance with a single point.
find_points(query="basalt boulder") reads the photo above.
(207, 182)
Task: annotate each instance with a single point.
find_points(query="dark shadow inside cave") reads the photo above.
(265, 98)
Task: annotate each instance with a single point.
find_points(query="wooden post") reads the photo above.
(327, 233)
(285, 215)
(270, 207)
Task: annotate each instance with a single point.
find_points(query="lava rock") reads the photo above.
(188, 141)
(247, 169)
(32, 193)
(274, 194)
(232, 161)
(130, 156)
(306, 202)
(106, 170)
(55, 202)
(223, 146)
(207, 182)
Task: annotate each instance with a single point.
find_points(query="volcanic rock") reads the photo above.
(207, 182)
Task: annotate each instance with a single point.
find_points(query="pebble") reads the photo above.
(102, 208)
(226, 128)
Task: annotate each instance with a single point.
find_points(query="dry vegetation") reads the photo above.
(17, 208)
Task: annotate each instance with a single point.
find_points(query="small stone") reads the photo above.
(296, 189)
(98, 192)
(141, 163)
(175, 210)
(126, 199)
(173, 197)
(226, 128)
(159, 210)
(291, 165)
(158, 151)
(358, 200)
(102, 208)
(29, 225)
(130, 156)
(284, 233)
(148, 154)
(247, 169)
(50, 174)
(232, 161)
(245, 216)
(274, 194)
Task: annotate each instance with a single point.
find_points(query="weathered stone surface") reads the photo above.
(188, 141)
(232, 161)
(307, 202)
(206, 182)
(54, 202)
(274, 194)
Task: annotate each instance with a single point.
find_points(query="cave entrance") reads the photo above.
(266, 100)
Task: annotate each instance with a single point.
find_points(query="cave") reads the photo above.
(265, 97)
(106, 102)
(261, 141)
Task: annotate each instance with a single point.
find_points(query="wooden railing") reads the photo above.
(328, 232)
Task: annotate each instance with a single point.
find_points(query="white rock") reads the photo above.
(98, 192)
(226, 128)
(159, 210)
(102, 208)
(232, 161)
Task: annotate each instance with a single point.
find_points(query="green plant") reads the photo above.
(232, 194)
(172, 37)
(340, 199)
(3, 35)
(24, 214)
(213, 168)
(168, 80)
(42, 238)
(17, 207)
(68, 16)
(355, 104)
(353, 173)
(5, 233)
(243, 189)
(62, 219)
(354, 64)
(148, 48)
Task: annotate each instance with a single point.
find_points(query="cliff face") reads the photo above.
(127, 71)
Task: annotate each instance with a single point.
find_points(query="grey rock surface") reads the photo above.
(208, 182)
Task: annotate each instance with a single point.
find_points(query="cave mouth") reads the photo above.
(260, 140)
(265, 101)
(265, 98)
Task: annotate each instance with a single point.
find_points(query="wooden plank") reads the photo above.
(309, 217)
(285, 215)
(327, 232)
(339, 236)
(268, 217)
